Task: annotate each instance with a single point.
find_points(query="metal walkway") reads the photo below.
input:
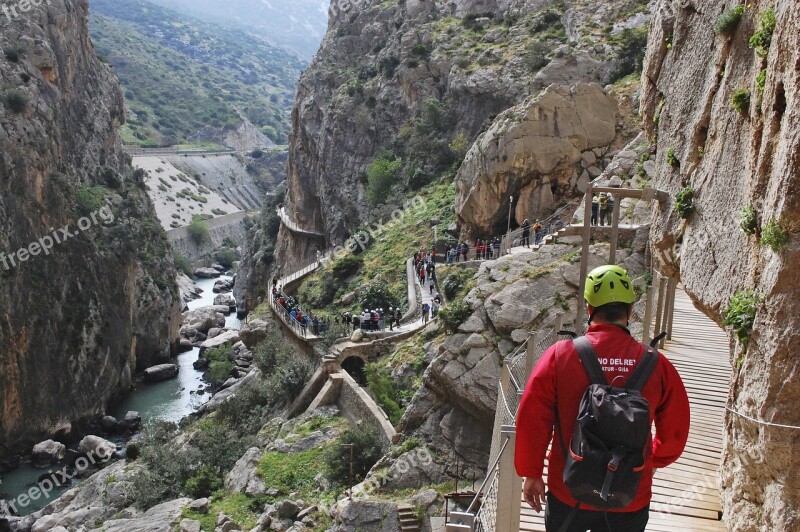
(685, 494)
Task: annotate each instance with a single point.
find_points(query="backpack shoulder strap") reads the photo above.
(589, 360)
(643, 370)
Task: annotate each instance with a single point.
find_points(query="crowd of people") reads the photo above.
(602, 209)
(318, 325)
(484, 250)
(376, 319)
(425, 266)
(537, 230)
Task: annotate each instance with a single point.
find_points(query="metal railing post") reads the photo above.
(587, 236)
(669, 302)
(662, 288)
(673, 286)
(530, 354)
(509, 485)
(648, 313)
(612, 254)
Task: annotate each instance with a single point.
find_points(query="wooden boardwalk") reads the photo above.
(685, 494)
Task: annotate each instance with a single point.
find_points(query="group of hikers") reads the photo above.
(526, 233)
(374, 320)
(319, 325)
(602, 208)
(425, 267)
(484, 250)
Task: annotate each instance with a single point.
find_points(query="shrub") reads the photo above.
(379, 380)
(762, 38)
(672, 160)
(453, 283)
(381, 175)
(13, 54)
(225, 256)
(741, 314)
(421, 50)
(748, 221)
(536, 56)
(366, 451)
(182, 264)
(740, 101)
(198, 231)
(761, 80)
(203, 483)
(632, 44)
(774, 236)
(89, 199)
(387, 65)
(346, 267)
(684, 205)
(729, 20)
(454, 314)
(16, 101)
(378, 295)
(257, 154)
(292, 377)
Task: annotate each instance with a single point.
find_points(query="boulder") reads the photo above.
(49, 452)
(287, 509)
(214, 331)
(529, 151)
(375, 516)
(253, 332)
(108, 423)
(187, 288)
(199, 505)
(357, 336)
(185, 345)
(243, 478)
(219, 267)
(222, 285)
(207, 273)
(132, 420)
(189, 525)
(160, 518)
(226, 338)
(161, 372)
(97, 448)
(203, 319)
(226, 300)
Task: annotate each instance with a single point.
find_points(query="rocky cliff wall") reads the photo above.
(421, 78)
(78, 319)
(736, 160)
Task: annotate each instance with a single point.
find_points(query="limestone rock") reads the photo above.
(160, 518)
(207, 273)
(226, 338)
(544, 136)
(100, 449)
(226, 300)
(253, 332)
(244, 478)
(366, 515)
(161, 372)
(189, 525)
(49, 452)
(203, 319)
(199, 505)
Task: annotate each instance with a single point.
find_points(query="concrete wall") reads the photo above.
(231, 225)
(358, 406)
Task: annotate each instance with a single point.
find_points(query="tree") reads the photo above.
(198, 231)
(381, 175)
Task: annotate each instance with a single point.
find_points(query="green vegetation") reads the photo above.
(741, 314)
(632, 44)
(761, 80)
(13, 53)
(346, 267)
(15, 100)
(536, 56)
(90, 198)
(684, 204)
(182, 264)
(220, 364)
(198, 231)
(455, 281)
(381, 176)
(672, 159)
(740, 101)
(762, 38)
(180, 75)
(226, 256)
(366, 451)
(774, 236)
(748, 220)
(293, 472)
(238, 506)
(379, 380)
(729, 20)
(454, 314)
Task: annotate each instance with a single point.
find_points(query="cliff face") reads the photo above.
(87, 291)
(736, 160)
(418, 79)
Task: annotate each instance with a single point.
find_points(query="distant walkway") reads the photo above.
(293, 227)
(685, 494)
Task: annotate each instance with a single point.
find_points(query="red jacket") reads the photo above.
(559, 378)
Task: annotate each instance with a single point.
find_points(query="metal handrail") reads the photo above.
(489, 475)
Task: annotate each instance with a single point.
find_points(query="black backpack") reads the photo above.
(605, 458)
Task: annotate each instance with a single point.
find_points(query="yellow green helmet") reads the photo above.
(608, 284)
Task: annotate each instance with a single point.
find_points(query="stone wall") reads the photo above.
(357, 405)
(231, 225)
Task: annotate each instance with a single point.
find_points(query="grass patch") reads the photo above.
(239, 507)
(729, 20)
(294, 472)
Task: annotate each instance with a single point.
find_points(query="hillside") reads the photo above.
(296, 25)
(187, 81)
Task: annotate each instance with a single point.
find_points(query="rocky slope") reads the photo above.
(422, 79)
(735, 161)
(80, 318)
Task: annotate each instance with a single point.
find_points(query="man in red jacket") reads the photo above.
(556, 388)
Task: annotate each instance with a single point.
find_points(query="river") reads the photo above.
(170, 400)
